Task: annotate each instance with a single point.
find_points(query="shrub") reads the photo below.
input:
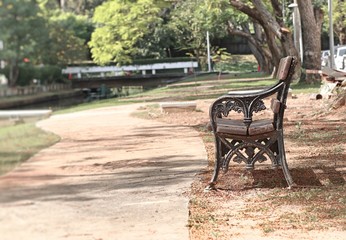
(46, 74)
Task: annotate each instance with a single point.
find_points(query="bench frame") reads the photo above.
(257, 144)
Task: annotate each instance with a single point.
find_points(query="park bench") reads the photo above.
(241, 137)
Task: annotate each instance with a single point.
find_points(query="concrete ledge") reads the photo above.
(25, 113)
(178, 106)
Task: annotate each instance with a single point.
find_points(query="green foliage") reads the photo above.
(46, 74)
(16, 20)
(27, 73)
(42, 34)
(339, 18)
(48, 5)
(66, 46)
(49, 74)
(319, 3)
(220, 55)
(21, 40)
(68, 35)
(191, 20)
(120, 28)
(303, 87)
(79, 7)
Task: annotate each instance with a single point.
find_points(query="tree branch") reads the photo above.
(256, 43)
(260, 14)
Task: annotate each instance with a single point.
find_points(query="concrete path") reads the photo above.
(111, 176)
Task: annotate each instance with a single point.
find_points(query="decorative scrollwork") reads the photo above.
(249, 157)
(235, 106)
(227, 106)
(259, 106)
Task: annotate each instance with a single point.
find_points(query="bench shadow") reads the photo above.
(237, 179)
(275, 178)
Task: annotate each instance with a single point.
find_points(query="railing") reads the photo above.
(79, 72)
(31, 90)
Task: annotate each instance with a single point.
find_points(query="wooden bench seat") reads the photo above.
(237, 127)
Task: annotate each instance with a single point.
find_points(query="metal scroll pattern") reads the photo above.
(250, 157)
(238, 106)
(259, 106)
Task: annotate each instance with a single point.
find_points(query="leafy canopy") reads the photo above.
(191, 20)
(120, 26)
(20, 38)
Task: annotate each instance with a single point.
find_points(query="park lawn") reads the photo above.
(19, 142)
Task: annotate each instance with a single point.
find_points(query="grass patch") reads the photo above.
(305, 87)
(18, 143)
(303, 132)
(238, 63)
(316, 204)
(309, 209)
(246, 85)
(96, 104)
(214, 76)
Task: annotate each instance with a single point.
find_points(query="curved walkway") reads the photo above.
(111, 176)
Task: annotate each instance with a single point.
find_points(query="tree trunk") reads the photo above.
(342, 38)
(341, 34)
(311, 40)
(279, 38)
(339, 22)
(62, 4)
(13, 73)
(262, 55)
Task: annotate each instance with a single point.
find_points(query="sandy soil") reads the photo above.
(257, 205)
(90, 187)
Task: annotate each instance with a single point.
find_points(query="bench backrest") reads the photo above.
(284, 68)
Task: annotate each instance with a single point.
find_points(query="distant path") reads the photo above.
(111, 176)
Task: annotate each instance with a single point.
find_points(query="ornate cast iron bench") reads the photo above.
(246, 139)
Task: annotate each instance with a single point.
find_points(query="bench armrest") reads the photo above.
(242, 102)
(255, 93)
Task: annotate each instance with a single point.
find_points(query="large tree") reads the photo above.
(23, 30)
(268, 15)
(120, 27)
(278, 38)
(339, 20)
(311, 20)
(240, 24)
(190, 21)
(68, 36)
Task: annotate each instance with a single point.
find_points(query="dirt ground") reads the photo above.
(257, 204)
(246, 205)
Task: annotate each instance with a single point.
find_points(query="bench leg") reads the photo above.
(282, 154)
(217, 165)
